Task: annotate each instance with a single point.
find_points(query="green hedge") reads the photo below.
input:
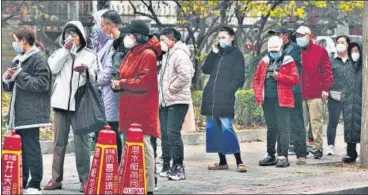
(247, 112)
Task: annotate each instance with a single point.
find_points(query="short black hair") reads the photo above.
(345, 37)
(171, 33)
(112, 17)
(227, 29)
(141, 39)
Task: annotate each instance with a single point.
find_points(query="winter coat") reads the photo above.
(31, 91)
(286, 79)
(176, 76)
(352, 100)
(67, 81)
(292, 49)
(227, 74)
(138, 101)
(317, 72)
(339, 69)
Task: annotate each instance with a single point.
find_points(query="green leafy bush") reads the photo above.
(247, 112)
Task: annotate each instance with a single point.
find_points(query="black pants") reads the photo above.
(171, 119)
(31, 157)
(351, 150)
(334, 111)
(115, 127)
(278, 125)
(297, 133)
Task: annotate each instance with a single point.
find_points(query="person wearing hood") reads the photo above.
(175, 96)
(138, 89)
(102, 44)
(226, 67)
(70, 64)
(352, 102)
(29, 81)
(340, 64)
(273, 84)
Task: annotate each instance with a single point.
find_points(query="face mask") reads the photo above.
(355, 56)
(164, 46)
(17, 48)
(340, 48)
(302, 41)
(275, 55)
(224, 43)
(128, 42)
(96, 30)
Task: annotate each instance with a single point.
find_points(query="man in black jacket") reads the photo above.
(298, 135)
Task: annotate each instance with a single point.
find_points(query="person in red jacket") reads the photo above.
(138, 86)
(273, 84)
(317, 79)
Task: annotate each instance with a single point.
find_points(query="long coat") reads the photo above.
(352, 102)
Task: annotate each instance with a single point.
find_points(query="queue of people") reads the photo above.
(146, 78)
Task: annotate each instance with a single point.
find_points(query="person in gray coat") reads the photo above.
(29, 81)
(103, 46)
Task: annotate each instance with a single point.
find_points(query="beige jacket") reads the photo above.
(175, 76)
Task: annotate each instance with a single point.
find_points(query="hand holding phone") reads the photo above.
(215, 47)
(10, 72)
(80, 68)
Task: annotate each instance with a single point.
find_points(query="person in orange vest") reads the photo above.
(138, 88)
(29, 81)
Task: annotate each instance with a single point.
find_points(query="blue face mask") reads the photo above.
(224, 43)
(275, 55)
(17, 48)
(302, 41)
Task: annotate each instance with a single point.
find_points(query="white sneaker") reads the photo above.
(32, 191)
(330, 150)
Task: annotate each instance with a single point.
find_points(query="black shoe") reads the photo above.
(281, 163)
(268, 161)
(177, 173)
(165, 169)
(318, 154)
(348, 159)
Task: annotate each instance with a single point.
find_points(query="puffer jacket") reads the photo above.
(339, 70)
(67, 81)
(31, 90)
(352, 100)
(175, 76)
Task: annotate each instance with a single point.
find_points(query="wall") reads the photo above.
(7, 52)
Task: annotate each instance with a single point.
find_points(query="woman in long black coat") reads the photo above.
(352, 103)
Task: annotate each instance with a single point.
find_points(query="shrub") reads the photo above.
(247, 112)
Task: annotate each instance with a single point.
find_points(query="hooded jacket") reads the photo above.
(138, 101)
(67, 81)
(175, 76)
(31, 90)
(352, 99)
(103, 46)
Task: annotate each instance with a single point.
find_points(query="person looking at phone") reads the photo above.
(273, 84)
(29, 81)
(69, 65)
(225, 65)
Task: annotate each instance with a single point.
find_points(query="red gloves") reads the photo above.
(9, 73)
(68, 45)
(80, 68)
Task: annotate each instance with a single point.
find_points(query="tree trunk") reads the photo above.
(364, 134)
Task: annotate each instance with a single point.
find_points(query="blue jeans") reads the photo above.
(220, 136)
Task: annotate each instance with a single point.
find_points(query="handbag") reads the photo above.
(335, 95)
(89, 112)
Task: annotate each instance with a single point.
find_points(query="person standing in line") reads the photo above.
(138, 89)
(226, 67)
(273, 84)
(103, 46)
(352, 103)
(69, 64)
(340, 65)
(317, 79)
(29, 81)
(297, 134)
(175, 96)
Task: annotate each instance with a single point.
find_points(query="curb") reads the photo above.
(188, 139)
(353, 190)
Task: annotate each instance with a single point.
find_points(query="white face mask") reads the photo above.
(128, 42)
(340, 48)
(164, 46)
(355, 56)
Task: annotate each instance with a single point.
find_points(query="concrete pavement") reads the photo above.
(327, 174)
